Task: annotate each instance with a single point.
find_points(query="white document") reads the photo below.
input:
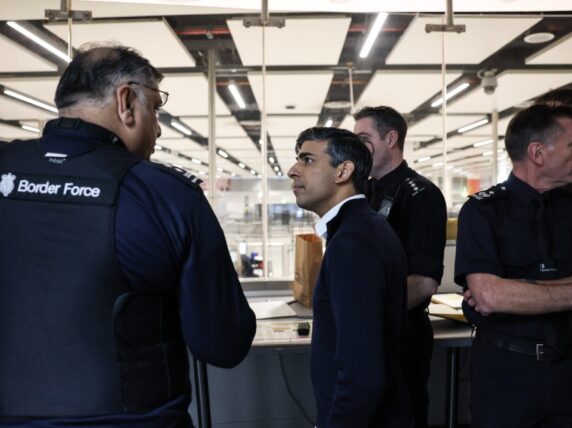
(272, 309)
(453, 300)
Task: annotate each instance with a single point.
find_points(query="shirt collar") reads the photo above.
(393, 178)
(521, 189)
(322, 226)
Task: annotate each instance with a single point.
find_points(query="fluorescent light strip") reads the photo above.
(181, 128)
(472, 125)
(158, 147)
(197, 161)
(29, 100)
(450, 94)
(30, 128)
(223, 153)
(372, 35)
(423, 159)
(39, 41)
(271, 159)
(329, 123)
(483, 143)
(236, 94)
(253, 172)
(240, 164)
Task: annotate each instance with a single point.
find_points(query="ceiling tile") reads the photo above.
(394, 88)
(225, 126)
(155, 39)
(473, 46)
(514, 88)
(17, 58)
(189, 95)
(304, 41)
(432, 126)
(16, 110)
(289, 125)
(559, 52)
(305, 92)
(9, 133)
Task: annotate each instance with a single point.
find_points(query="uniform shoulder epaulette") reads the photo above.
(414, 185)
(180, 173)
(497, 191)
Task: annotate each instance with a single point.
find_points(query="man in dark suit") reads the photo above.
(360, 297)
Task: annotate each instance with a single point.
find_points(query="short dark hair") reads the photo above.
(386, 119)
(97, 70)
(538, 122)
(556, 97)
(342, 145)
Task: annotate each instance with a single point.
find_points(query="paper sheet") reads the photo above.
(272, 309)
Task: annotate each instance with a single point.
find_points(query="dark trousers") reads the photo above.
(512, 390)
(416, 355)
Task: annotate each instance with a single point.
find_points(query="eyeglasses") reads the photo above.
(163, 94)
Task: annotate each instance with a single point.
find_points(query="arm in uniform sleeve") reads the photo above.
(218, 325)
(425, 246)
(359, 319)
(492, 294)
(478, 267)
(167, 237)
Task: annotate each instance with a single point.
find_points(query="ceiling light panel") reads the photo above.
(15, 110)
(225, 126)
(289, 127)
(156, 40)
(43, 89)
(419, 47)
(487, 129)
(18, 59)
(433, 125)
(189, 96)
(9, 133)
(559, 52)
(514, 88)
(393, 88)
(234, 144)
(291, 93)
(299, 42)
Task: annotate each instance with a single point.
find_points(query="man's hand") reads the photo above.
(468, 297)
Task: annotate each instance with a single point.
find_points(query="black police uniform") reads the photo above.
(417, 211)
(109, 266)
(521, 370)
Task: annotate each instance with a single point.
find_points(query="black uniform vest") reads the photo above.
(75, 339)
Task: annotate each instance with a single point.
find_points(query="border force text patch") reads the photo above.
(58, 189)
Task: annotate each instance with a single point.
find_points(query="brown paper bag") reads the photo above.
(308, 261)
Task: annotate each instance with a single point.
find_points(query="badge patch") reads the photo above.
(7, 184)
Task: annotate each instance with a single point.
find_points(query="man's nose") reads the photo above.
(293, 172)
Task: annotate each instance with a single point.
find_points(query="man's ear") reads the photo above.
(391, 138)
(535, 152)
(344, 171)
(124, 97)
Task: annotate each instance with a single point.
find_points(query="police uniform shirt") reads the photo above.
(167, 236)
(417, 211)
(500, 233)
